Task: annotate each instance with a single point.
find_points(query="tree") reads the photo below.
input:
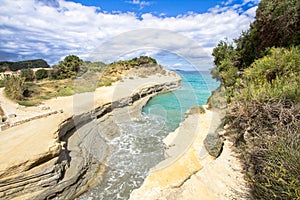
(246, 47)
(69, 67)
(224, 58)
(41, 74)
(221, 51)
(27, 74)
(278, 23)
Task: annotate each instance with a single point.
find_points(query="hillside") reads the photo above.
(72, 75)
(260, 76)
(14, 66)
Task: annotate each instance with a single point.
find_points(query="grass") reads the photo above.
(105, 82)
(66, 91)
(88, 81)
(29, 103)
(45, 90)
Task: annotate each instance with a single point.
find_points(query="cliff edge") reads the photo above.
(189, 172)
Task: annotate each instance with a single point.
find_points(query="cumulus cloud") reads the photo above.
(54, 29)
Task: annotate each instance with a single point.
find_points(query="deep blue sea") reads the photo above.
(140, 147)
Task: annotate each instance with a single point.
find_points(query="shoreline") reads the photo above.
(50, 157)
(188, 171)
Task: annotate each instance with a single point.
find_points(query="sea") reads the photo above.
(139, 146)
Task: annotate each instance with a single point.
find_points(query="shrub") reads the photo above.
(274, 76)
(105, 82)
(41, 74)
(197, 110)
(1, 83)
(14, 87)
(27, 74)
(28, 103)
(66, 91)
(267, 135)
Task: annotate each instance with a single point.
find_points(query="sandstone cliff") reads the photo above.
(61, 155)
(188, 171)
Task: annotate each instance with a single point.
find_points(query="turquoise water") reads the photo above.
(140, 147)
(195, 88)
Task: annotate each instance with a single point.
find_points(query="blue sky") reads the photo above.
(157, 7)
(167, 8)
(52, 29)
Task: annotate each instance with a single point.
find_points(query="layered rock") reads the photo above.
(188, 171)
(63, 154)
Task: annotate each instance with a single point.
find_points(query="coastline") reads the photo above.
(53, 154)
(188, 171)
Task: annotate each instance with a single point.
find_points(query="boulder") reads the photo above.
(213, 144)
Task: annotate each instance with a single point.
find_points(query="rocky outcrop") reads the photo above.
(75, 161)
(188, 171)
(213, 144)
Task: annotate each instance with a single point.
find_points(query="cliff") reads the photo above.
(188, 171)
(61, 155)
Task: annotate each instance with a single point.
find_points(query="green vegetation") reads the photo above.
(41, 74)
(261, 76)
(196, 110)
(14, 66)
(275, 76)
(68, 68)
(70, 76)
(27, 74)
(14, 87)
(113, 71)
(1, 83)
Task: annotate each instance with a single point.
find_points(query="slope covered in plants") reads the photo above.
(260, 74)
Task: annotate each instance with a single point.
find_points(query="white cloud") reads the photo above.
(177, 65)
(142, 4)
(227, 2)
(251, 12)
(62, 28)
(251, 1)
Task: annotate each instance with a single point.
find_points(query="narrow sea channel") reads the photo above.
(139, 147)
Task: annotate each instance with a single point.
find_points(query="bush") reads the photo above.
(196, 110)
(1, 83)
(105, 82)
(27, 74)
(267, 135)
(274, 76)
(28, 103)
(14, 87)
(66, 91)
(41, 74)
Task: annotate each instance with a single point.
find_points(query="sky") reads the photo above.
(109, 30)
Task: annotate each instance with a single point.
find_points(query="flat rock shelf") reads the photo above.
(62, 155)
